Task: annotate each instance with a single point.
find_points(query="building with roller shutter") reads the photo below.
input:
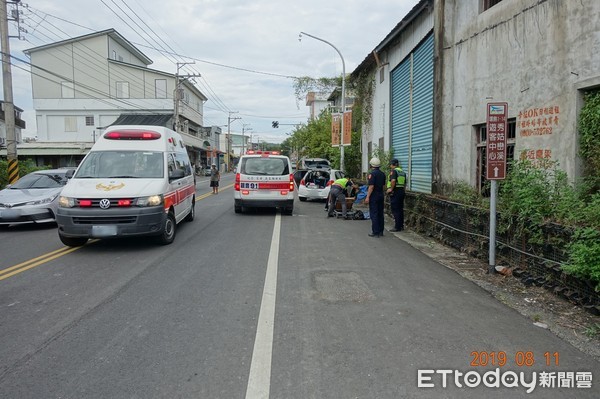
(401, 117)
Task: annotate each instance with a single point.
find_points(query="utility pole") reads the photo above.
(9, 107)
(243, 135)
(176, 95)
(228, 146)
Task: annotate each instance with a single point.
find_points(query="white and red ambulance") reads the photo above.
(136, 180)
(264, 179)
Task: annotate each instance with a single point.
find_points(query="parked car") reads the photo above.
(314, 163)
(33, 198)
(317, 182)
(299, 174)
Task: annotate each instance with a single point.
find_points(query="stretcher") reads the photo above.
(350, 212)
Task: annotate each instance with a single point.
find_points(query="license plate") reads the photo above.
(249, 186)
(104, 231)
(9, 214)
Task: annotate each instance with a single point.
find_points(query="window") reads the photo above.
(67, 90)
(122, 89)
(70, 124)
(160, 88)
(381, 74)
(89, 121)
(481, 131)
(114, 55)
(381, 143)
(489, 3)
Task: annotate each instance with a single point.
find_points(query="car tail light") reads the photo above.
(284, 192)
(291, 182)
(329, 183)
(132, 135)
(237, 182)
(302, 182)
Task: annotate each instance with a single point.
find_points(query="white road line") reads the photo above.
(259, 381)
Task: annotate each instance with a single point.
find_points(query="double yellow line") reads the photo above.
(21, 267)
(30, 264)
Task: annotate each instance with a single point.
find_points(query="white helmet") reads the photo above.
(375, 162)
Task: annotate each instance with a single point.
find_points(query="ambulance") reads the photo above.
(264, 179)
(135, 181)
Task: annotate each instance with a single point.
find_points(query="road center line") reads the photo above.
(259, 380)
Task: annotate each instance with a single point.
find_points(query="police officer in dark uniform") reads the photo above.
(375, 197)
(395, 189)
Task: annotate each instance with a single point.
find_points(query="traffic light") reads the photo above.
(275, 124)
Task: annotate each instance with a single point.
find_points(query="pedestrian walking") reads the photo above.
(395, 189)
(215, 176)
(375, 197)
(337, 193)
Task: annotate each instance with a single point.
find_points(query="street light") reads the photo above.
(343, 95)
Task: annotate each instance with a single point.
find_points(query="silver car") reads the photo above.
(33, 198)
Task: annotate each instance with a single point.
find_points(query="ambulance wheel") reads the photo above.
(168, 234)
(302, 199)
(288, 210)
(190, 216)
(359, 215)
(72, 241)
(237, 208)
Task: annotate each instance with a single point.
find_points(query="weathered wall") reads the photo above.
(537, 55)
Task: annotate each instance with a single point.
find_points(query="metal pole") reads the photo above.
(9, 107)
(492, 248)
(343, 95)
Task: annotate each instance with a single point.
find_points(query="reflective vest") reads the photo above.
(341, 182)
(401, 181)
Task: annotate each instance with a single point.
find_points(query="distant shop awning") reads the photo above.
(50, 148)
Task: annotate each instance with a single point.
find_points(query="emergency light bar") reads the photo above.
(132, 135)
(253, 152)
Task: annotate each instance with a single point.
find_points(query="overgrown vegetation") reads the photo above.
(534, 195)
(589, 135)
(25, 167)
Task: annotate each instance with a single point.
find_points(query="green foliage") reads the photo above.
(25, 166)
(589, 139)
(305, 84)
(529, 196)
(584, 255)
(364, 87)
(462, 192)
(313, 140)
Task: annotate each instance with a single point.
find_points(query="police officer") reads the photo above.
(337, 192)
(395, 189)
(374, 199)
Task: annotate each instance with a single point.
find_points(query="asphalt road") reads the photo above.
(262, 305)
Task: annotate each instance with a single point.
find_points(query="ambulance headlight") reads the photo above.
(66, 202)
(153, 200)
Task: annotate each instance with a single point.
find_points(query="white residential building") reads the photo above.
(84, 84)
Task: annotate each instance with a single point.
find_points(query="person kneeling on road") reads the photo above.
(337, 193)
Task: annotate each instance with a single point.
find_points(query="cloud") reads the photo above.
(261, 36)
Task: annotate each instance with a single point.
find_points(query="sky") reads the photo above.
(245, 51)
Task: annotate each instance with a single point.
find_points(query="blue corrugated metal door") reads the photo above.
(400, 111)
(412, 115)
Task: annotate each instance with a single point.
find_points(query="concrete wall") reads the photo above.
(537, 55)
